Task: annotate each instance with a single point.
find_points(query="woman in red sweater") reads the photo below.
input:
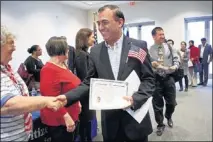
(194, 57)
(57, 79)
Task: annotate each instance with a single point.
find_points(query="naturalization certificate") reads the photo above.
(107, 94)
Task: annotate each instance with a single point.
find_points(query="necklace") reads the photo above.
(62, 65)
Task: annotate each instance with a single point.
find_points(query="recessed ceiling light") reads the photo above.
(90, 3)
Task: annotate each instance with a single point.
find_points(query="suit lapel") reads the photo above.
(104, 58)
(206, 48)
(124, 54)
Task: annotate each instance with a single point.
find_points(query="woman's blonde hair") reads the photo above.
(5, 33)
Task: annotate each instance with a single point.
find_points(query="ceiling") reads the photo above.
(87, 5)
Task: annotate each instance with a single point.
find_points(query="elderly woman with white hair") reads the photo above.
(16, 104)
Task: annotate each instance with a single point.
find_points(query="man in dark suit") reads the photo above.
(205, 59)
(115, 59)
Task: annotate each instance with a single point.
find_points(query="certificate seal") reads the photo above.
(98, 99)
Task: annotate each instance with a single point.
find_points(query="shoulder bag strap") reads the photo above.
(171, 54)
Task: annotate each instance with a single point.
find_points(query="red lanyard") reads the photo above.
(9, 73)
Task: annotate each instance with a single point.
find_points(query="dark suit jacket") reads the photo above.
(81, 67)
(207, 53)
(71, 58)
(99, 67)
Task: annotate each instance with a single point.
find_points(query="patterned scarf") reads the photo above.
(24, 92)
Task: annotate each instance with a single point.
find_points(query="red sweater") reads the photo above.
(194, 54)
(53, 82)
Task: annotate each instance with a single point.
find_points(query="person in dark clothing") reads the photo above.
(205, 59)
(84, 40)
(71, 59)
(34, 64)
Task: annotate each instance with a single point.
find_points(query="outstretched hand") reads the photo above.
(55, 103)
(62, 98)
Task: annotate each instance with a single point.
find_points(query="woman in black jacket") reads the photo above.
(34, 64)
(84, 40)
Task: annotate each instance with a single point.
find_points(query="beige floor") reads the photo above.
(192, 117)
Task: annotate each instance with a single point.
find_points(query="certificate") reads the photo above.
(107, 94)
(133, 85)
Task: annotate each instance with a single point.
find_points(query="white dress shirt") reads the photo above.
(202, 50)
(115, 55)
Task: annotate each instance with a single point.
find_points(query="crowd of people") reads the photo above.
(64, 80)
(194, 61)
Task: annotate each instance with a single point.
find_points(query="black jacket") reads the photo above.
(81, 67)
(99, 67)
(34, 67)
(71, 58)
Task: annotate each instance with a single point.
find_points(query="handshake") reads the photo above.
(55, 103)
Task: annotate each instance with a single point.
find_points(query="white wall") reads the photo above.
(167, 14)
(34, 22)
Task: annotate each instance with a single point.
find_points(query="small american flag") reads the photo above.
(95, 33)
(127, 32)
(138, 53)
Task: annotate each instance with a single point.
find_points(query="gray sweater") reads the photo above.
(168, 60)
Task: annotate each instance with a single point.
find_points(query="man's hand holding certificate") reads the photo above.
(108, 94)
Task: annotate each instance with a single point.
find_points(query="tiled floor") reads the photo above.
(192, 117)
